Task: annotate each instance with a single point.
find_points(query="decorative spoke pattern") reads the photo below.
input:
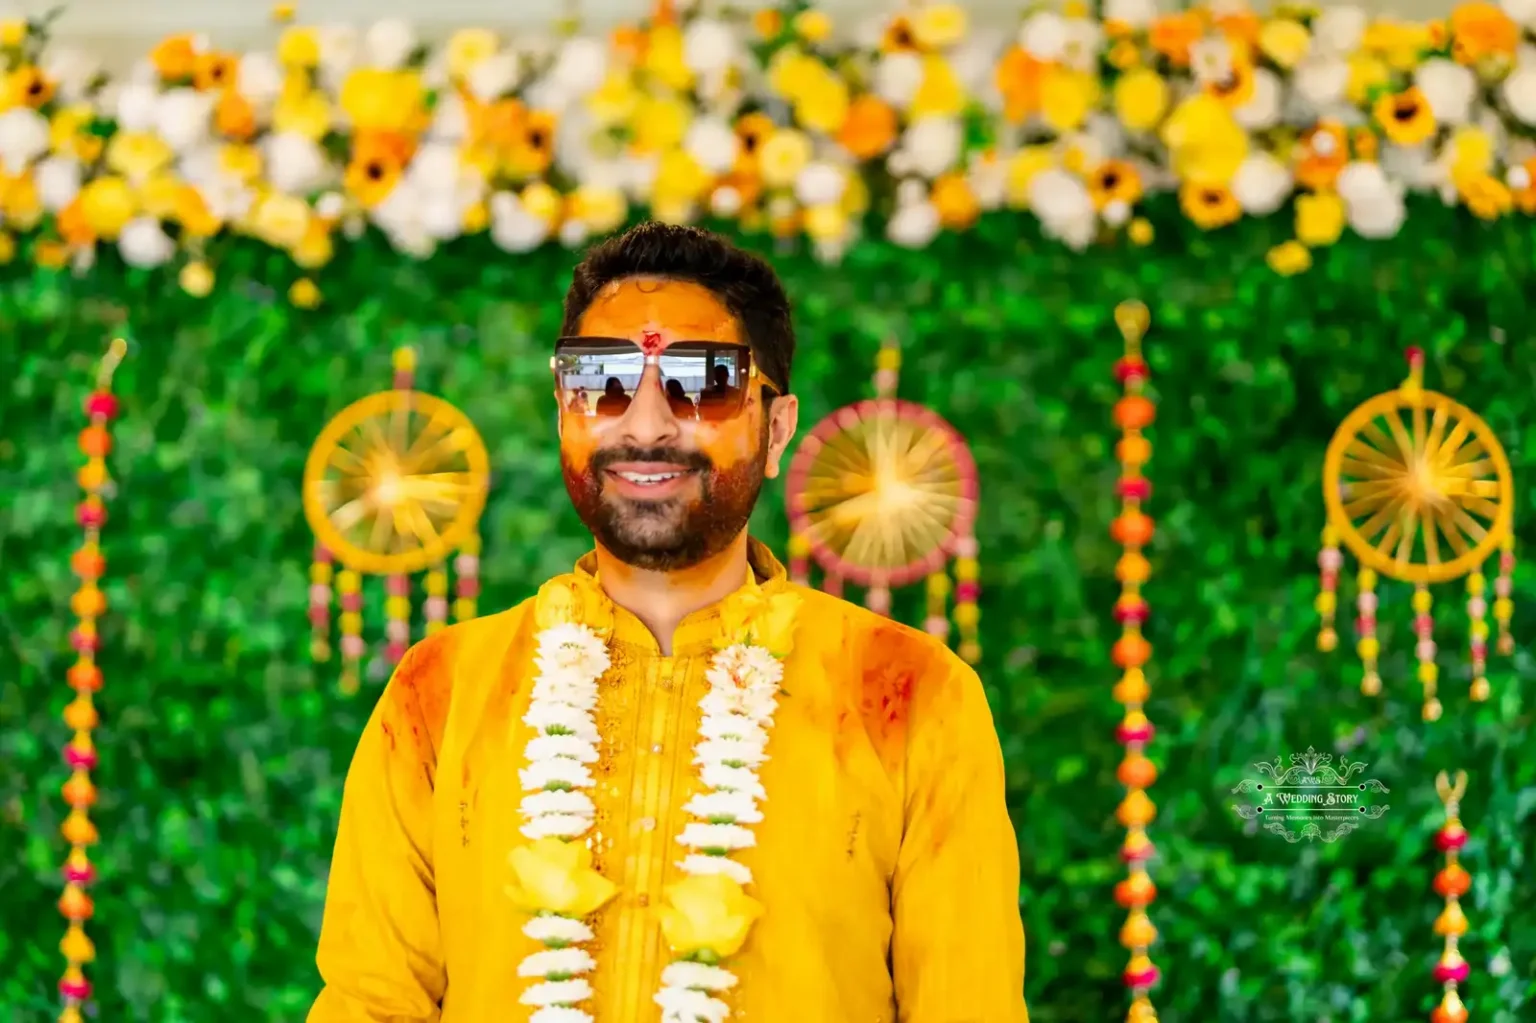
(882, 491)
(395, 482)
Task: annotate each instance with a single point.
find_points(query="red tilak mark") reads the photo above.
(650, 342)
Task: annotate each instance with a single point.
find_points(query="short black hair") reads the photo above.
(744, 283)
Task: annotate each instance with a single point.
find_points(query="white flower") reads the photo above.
(700, 864)
(574, 233)
(1449, 88)
(820, 183)
(569, 961)
(557, 992)
(1084, 39)
(23, 138)
(340, 47)
(712, 143)
(181, 118)
(681, 1005)
(494, 77)
(739, 752)
(1519, 92)
(547, 747)
(294, 163)
(1135, 13)
(725, 201)
(709, 46)
(733, 725)
(144, 243)
(1339, 29)
(1414, 166)
(697, 976)
(1116, 212)
(330, 205)
(897, 78)
(1064, 206)
(738, 779)
(557, 802)
(259, 78)
(1522, 11)
(1263, 108)
(1044, 36)
(58, 182)
(559, 1014)
(227, 197)
(581, 66)
(555, 825)
(988, 179)
(933, 144)
(389, 42)
(1211, 59)
(557, 771)
(1321, 80)
(1373, 203)
(974, 61)
(561, 718)
(72, 70)
(450, 118)
(1518, 178)
(737, 807)
(557, 929)
(716, 836)
(1261, 184)
(137, 105)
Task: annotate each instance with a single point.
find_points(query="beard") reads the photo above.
(671, 533)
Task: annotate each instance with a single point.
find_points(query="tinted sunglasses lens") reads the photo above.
(597, 378)
(706, 382)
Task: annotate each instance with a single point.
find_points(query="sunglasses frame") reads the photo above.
(754, 375)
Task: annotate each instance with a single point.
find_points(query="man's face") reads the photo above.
(659, 492)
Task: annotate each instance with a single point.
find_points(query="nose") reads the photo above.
(649, 422)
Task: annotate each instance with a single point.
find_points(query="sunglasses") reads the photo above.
(703, 380)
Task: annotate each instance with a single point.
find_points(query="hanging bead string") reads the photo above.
(467, 584)
(1367, 646)
(397, 616)
(1329, 561)
(1134, 412)
(877, 596)
(320, 575)
(435, 608)
(1451, 883)
(967, 593)
(832, 583)
(81, 716)
(799, 560)
(1503, 588)
(349, 586)
(1477, 611)
(937, 622)
(1424, 650)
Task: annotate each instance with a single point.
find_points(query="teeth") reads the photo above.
(653, 477)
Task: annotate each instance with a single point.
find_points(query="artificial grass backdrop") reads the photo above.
(224, 749)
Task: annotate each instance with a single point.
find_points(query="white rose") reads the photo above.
(330, 205)
(974, 61)
(712, 143)
(1362, 181)
(573, 234)
(340, 47)
(144, 244)
(436, 167)
(819, 184)
(227, 197)
(897, 78)
(1064, 206)
(911, 190)
(1044, 35)
(1084, 40)
(1519, 92)
(137, 105)
(259, 78)
(932, 145)
(24, 137)
(725, 201)
(181, 118)
(1117, 212)
(709, 46)
(913, 225)
(1415, 166)
(389, 43)
(1338, 30)
(1321, 80)
(1261, 184)
(1135, 13)
(1263, 108)
(1521, 11)
(988, 179)
(581, 66)
(494, 77)
(295, 164)
(1381, 217)
(58, 182)
(450, 118)
(1449, 88)
(1108, 135)
(1211, 60)
(513, 228)
(72, 71)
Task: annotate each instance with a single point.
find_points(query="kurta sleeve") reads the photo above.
(380, 952)
(958, 944)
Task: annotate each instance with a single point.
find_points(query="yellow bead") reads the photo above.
(1451, 921)
(319, 650)
(76, 947)
(464, 608)
(938, 585)
(1479, 628)
(1432, 709)
(1136, 810)
(1503, 609)
(320, 573)
(1368, 648)
(470, 546)
(1475, 583)
(1366, 579)
(1480, 690)
(398, 608)
(434, 627)
(405, 360)
(351, 623)
(1370, 685)
(799, 546)
(970, 651)
(1422, 601)
(966, 569)
(437, 584)
(1326, 603)
(1132, 688)
(1429, 671)
(969, 614)
(1330, 536)
(888, 358)
(1327, 641)
(348, 581)
(1507, 544)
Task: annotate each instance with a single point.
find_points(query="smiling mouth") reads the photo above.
(644, 476)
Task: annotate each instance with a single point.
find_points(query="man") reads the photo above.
(527, 831)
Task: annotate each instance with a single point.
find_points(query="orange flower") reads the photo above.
(753, 130)
(1124, 54)
(1242, 30)
(767, 22)
(956, 203)
(73, 226)
(1019, 79)
(28, 87)
(1114, 181)
(234, 117)
(1173, 34)
(628, 44)
(898, 37)
(869, 129)
(1236, 88)
(191, 211)
(1480, 31)
(745, 183)
(1485, 195)
(533, 147)
(1525, 196)
(213, 70)
(497, 125)
(1365, 143)
(378, 160)
(1209, 207)
(175, 57)
(1322, 154)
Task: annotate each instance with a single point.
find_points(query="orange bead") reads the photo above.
(88, 602)
(1137, 772)
(74, 904)
(1131, 529)
(1136, 890)
(1137, 931)
(1133, 567)
(1133, 450)
(1131, 651)
(1136, 810)
(92, 475)
(81, 713)
(1134, 412)
(78, 791)
(1450, 1010)
(1132, 687)
(1453, 880)
(87, 562)
(95, 442)
(85, 677)
(78, 829)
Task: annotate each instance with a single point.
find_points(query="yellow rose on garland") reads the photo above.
(376, 100)
(939, 26)
(664, 58)
(940, 93)
(814, 26)
(305, 112)
(1320, 219)
(106, 204)
(708, 917)
(791, 71)
(1285, 41)
(467, 49)
(600, 208)
(614, 101)
(782, 156)
(280, 220)
(1067, 97)
(823, 104)
(1367, 73)
(22, 205)
(1486, 196)
(680, 181)
(1206, 143)
(1141, 99)
(551, 876)
(660, 122)
(1289, 258)
(1022, 168)
(1470, 153)
(137, 155)
(299, 47)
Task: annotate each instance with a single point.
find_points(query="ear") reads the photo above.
(783, 420)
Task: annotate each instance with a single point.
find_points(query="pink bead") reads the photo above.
(885, 381)
(1423, 626)
(84, 873)
(397, 631)
(395, 650)
(353, 647)
(1477, 607)
(319, 593)
(1141, 978)
(1136, 854)
(404, 381)
(90, 516)
(351, 601)
(1501, 586)
(322, 555)
(1425, 650)
(1365, 625)
(878, 600)
(1479, 650)
(436, 609)
(398, 586)
(936, 625)
(84, 644)
(1366, 602)
(466, 564)
(1457, 972)
(467, 586)
(1329, 559)
(968, 591)
(77, 990)
(1506, 562)
(319, 614)
(84, 759)
(1328, 580)
(1127, 734)
(101, 404)
(966, 547)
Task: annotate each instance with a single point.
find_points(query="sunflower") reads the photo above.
(753, 130)
(1235, 88)
(213, 70)
(898, 36)
(1405, 116)
(1114, 181)
(533, 147)
(378, 160)
(28, 87)
(1209, 206)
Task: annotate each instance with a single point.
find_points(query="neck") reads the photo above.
(661, 600)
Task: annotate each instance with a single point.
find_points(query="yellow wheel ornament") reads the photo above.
(1418, 488)
(394, 485)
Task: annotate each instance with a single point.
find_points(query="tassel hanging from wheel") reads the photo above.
(1451, 882)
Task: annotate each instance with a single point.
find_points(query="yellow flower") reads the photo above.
(196, 279)
(551, 876)
(377, 100)
(939, 25)
(940, 92)
(28, 87)
(814, 26)
(467, 49)
(13, 32)
(792, 71)
(1140, 231)
(679, 179)
(280, 220)
(1486, 196)
(7, 248)
(1141, 99)
(157, 196)
(1319, 219)
(1209, 206)
(708, 915)
(1289, 259)
(615, 100)
(1285, 41)
(664, 57)
(1471, 153)
(955, 201)
(106, 204)
(824, 106)
(304, 293)
(1405, 117)
(1366, 74)
(601, 208)
(1022, 168)
(282, 12)
(1067, 97)
(138, 155)
(22, 205)
(315, 249)
(299, 47)
(1206, 143)
(660, 123)
(826, 222)
(541, 200)
(303, 113)
(782, 156)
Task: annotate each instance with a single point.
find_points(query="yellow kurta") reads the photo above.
(886, 859)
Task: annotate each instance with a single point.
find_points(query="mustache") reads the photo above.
(695, 461)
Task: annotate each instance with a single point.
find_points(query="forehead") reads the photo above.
(638, 307)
